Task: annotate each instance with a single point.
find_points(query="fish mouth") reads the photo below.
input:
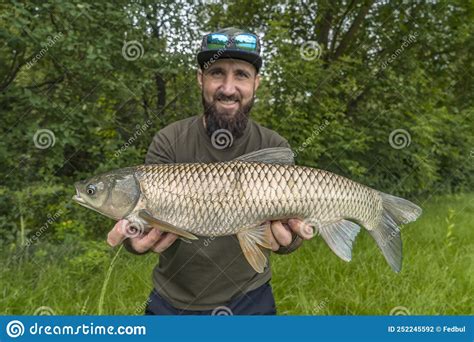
(79, 200)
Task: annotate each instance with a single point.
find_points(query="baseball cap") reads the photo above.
(230, 42)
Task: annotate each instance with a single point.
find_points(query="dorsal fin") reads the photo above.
(272, 155)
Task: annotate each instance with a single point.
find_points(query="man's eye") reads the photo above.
(216, 72)
(242, 74)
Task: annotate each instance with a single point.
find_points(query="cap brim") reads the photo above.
(207, 58)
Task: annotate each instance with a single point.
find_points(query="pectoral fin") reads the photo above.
(165, 226)
(249, 240)
(340, 236)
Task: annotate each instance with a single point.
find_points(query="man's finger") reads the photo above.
(143, 244)
(282, 234)
(305, 231)
(117, 234)
(166, 241)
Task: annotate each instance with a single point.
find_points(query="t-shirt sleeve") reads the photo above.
(283, 143)
(161, 150)
(269, 138)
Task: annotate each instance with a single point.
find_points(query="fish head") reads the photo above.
(113, 194)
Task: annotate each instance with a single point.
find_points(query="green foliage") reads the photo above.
(377, 67)
(93, 257)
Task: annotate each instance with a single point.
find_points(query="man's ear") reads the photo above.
(257, 82)
(199, 78)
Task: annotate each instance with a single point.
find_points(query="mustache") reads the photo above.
(223, 97)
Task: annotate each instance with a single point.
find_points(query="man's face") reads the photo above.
(228, 87)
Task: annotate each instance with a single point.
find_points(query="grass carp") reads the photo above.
(237, 197)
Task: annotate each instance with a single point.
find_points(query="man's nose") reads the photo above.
(228, 86)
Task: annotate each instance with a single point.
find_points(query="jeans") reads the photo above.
(256, 302)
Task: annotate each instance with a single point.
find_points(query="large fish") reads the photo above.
(238, 196)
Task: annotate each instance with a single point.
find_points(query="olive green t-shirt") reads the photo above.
(208, 272)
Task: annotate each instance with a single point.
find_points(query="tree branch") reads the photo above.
(160, 93)
(348, 38)
(339, 25)
(11, 75)
(325, 25)
(52, 82)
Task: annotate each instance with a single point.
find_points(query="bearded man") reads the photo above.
(211, 275)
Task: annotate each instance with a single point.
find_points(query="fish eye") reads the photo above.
(91, 189)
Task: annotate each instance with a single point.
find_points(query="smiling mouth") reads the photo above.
(228, 103)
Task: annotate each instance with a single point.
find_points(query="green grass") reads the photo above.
(437, 276)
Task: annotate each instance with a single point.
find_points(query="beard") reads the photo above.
(234, 123)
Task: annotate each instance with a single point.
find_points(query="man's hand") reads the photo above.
(154, 240)
(157, 241)
(282, 233)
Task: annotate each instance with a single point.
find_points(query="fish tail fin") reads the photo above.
(396, 211)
